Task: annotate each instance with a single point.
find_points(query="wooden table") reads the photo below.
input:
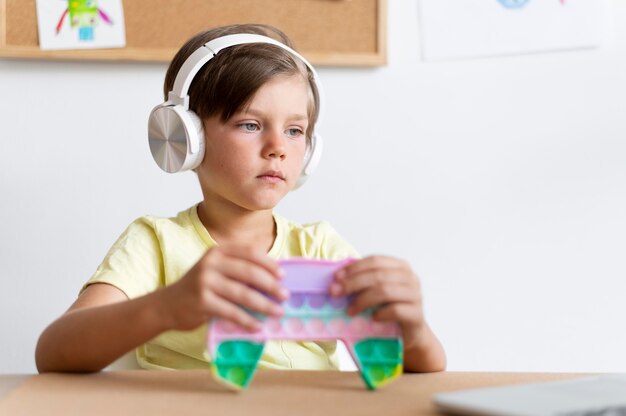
(276, 393)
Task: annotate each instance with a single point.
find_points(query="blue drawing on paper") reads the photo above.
(518, 4)
(513, 4)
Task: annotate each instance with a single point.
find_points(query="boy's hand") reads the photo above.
(223, 281)
(389, 284)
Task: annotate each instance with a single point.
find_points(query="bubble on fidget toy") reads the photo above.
(273, 326)
(226, 350)
(376, 373)
(359, 325)
(237, 375)
(317, 301)
(296, 300)
(378, 350)
(316, 327)
(336, 326)
(380, 374)
(339, 303)
(238, 350)
(234, 375)
(295, 326)
(389, 350)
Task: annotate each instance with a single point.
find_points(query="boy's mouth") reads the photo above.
(272, 176)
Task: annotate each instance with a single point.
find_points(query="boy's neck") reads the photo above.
(250, 228)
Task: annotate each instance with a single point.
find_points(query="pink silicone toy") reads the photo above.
(311, 314)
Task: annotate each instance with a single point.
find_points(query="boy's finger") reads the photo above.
(370, 278)
(226, 310)
(369, 263)
(246, 297)
(375, 297)
(401, 312)
(256, 256)
(252, 275)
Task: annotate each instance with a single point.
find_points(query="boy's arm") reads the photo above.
(425, 356)
(101, 326)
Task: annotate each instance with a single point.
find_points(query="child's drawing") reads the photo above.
(471, 28)
(84, 16)
(80, 24)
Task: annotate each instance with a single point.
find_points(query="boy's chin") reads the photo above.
(265, 203)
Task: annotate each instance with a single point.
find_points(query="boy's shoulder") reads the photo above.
(182, 219)
(184, 223)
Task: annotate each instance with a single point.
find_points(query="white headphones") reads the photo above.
(175, 133)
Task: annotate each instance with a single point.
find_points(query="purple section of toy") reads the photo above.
(315, 301)
(310, 276)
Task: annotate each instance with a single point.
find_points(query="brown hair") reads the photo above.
(228, 81)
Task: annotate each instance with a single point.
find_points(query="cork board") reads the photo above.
(327, 32)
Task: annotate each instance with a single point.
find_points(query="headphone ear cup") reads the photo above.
(311, 159)
(176, 138)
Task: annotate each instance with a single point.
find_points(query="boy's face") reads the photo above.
(256, 157)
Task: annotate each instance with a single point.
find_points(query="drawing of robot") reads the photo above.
(84, 15)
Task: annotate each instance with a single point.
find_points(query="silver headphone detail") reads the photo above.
(175, 133)
(175, 138)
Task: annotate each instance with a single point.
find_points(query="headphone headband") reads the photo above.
(195, 62)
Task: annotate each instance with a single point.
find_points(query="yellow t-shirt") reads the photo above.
(155, 252)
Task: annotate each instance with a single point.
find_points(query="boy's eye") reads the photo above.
(295, 132)
(249, 126)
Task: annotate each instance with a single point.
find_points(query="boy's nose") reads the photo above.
(274, 145)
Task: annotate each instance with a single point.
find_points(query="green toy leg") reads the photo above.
(380, 360)
(236, 362)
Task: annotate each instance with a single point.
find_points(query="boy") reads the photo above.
(254, 106)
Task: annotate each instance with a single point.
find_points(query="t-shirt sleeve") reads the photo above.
(134, 263)
(332, 245)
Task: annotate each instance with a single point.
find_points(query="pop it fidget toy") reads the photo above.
(311, 314)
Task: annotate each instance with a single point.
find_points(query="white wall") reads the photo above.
(502, 181)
